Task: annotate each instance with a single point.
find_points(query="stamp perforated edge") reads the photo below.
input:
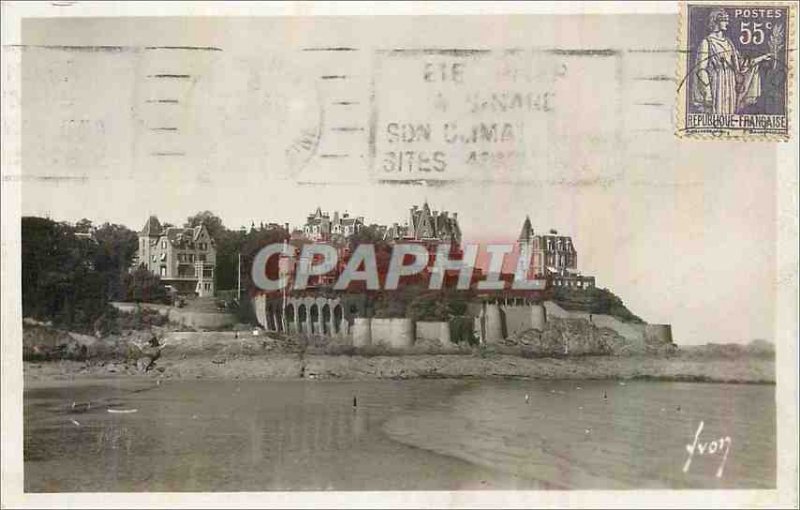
(680, 96)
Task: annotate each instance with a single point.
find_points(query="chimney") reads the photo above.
(286, 226)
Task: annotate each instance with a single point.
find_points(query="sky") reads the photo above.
(560, 118)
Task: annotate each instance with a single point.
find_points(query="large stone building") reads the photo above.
(184, 258)
(551, 256)
(321, 227)
(426, 225)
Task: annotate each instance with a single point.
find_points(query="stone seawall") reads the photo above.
(190, 318)
(435, 333)
(544, 328)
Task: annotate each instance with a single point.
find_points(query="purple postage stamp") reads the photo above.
(735, 70)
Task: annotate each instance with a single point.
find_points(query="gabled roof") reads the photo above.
(428, 224)
(198, 230)
(179, 234)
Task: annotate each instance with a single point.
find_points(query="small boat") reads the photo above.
(81, 407)
(122, 411)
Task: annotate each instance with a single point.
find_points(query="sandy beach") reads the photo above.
(455, 366)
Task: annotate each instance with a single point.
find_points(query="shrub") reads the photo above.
(462, 331)
(113, 321)
(593, 300)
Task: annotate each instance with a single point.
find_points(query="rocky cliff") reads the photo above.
(579, 337)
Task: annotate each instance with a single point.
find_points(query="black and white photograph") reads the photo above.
(399, 254)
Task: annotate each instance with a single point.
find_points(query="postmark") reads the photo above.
(482, 114)
(292, 117)
(735, 74)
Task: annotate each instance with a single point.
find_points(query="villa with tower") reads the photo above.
(183, 257)
(550, 256)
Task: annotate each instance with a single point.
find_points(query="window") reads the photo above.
(202, 257)
(164, 245)
(163, 271)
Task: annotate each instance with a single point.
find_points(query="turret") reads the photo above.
(526, 234)
(152, 227)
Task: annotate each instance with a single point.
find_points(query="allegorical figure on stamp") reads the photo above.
(725, 81)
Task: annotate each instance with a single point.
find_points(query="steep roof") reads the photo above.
(152, 227)
(527, 230)
(427, 224)
(179, 234)
(196, 231)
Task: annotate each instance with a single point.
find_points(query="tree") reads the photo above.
(366, 234)
(70, 279)
(84, 225)
(59, 282)
(212, 222)
(143, 286)
(250, 245)
(232, 243)
(116, 247)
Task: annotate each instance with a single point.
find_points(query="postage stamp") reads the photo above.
(735, 70)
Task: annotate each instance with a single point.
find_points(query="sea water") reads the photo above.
(230, 435)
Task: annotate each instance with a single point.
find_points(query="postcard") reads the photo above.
(391, 255)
